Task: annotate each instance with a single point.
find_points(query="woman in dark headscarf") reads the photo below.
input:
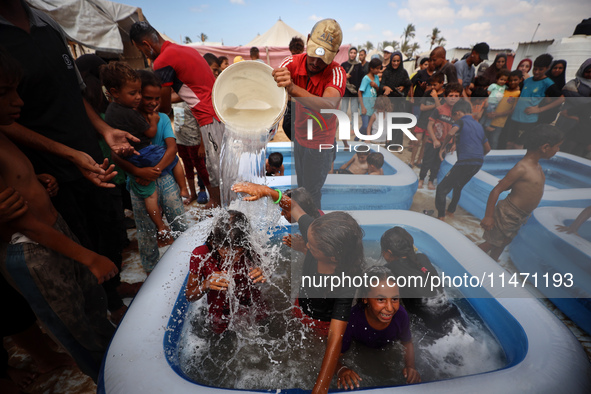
(395, 81)
(500, 63)
(575, 119)
(557, 73)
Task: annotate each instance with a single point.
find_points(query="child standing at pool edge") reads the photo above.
(526, 181)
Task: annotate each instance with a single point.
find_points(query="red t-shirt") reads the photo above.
(188, 73)
(332, 76)
(441, 116)
(204, 264)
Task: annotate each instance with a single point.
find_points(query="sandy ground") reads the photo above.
(71, 380)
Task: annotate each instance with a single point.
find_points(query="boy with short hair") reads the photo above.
(505, 108)
(59, 278)
(356, 165)
(526, 181)
(274, 164)
(471, 146)
(375, 162)
(440, 123)
(125, 86)
(535, 89)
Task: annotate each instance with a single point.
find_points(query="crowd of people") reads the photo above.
(65, 124)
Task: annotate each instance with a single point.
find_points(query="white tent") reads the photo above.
(279, 35)
(99, 26)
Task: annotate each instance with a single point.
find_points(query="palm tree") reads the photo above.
(203, 37)
(393, 43)
(435, 38)
(368, 46)
(408, 32)
(188, 40)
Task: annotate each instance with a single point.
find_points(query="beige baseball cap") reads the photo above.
(325, 40)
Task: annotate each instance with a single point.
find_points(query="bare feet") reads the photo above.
(189, 200)
(431, 186)
(20, 377)
(117, 316)
(442, 218)
(450, 214)
(420, 184)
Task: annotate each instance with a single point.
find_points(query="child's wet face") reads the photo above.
(10, 103)
(362, 156)
(150, 99)
(130, 95)
(382, 304)
(502, 80)
(231, 255)
(514, 82)
(326, 264)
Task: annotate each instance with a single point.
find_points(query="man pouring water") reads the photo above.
(316, 82)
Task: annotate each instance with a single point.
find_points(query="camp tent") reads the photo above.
(273, 46)
(99, 26)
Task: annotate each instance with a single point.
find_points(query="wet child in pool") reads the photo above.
(377, 320)
(431, 305)
(356, 165)
(335, 248)
(274, 165)
(226, 262)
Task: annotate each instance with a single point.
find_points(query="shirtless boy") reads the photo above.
(38, 252)
(526, 181)
(357, 164)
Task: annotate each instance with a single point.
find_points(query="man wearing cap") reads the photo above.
(316, 82)
(441, 64)
(466, 68)
(388, 51)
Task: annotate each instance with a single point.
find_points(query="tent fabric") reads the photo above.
(279, 35)
(272, 56)
(92, 23)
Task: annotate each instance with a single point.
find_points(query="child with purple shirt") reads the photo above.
(375, 321)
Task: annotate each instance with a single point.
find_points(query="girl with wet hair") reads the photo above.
(226, 261)
(401, 258)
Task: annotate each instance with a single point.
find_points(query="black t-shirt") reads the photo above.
(356, 76)
(420, 77)
(423, 120)
(314, 301)
(52, 95)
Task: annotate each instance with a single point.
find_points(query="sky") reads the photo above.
(500, 23)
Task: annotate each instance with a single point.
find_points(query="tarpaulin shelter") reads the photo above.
(96, 26)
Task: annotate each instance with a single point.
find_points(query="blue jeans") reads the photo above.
(312, 167)
(169, 199)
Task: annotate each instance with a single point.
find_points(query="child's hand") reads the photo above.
(201, 150)
(50, 184)
(348, 379)
(411, 375)
(487, 223)
(436, 143)
(363, 111)
(149, 173)
(433, 93)
(12, 205)
(254, 190)
(296, 242)
(492, 115)
(566, 229)
(256, 274)
(373, 85)
(103, 268)
(154, 117)
(217, 281)
(532, 110)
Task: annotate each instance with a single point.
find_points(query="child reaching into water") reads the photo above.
(274, 165)
(375, 162)
(377, 320)
(335, 247)
(226, 260)
(502, 221)
(125, 86)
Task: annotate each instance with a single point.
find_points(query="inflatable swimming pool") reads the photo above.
(541, 353)
(541, 249)
(568, 180)
(393, 190)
